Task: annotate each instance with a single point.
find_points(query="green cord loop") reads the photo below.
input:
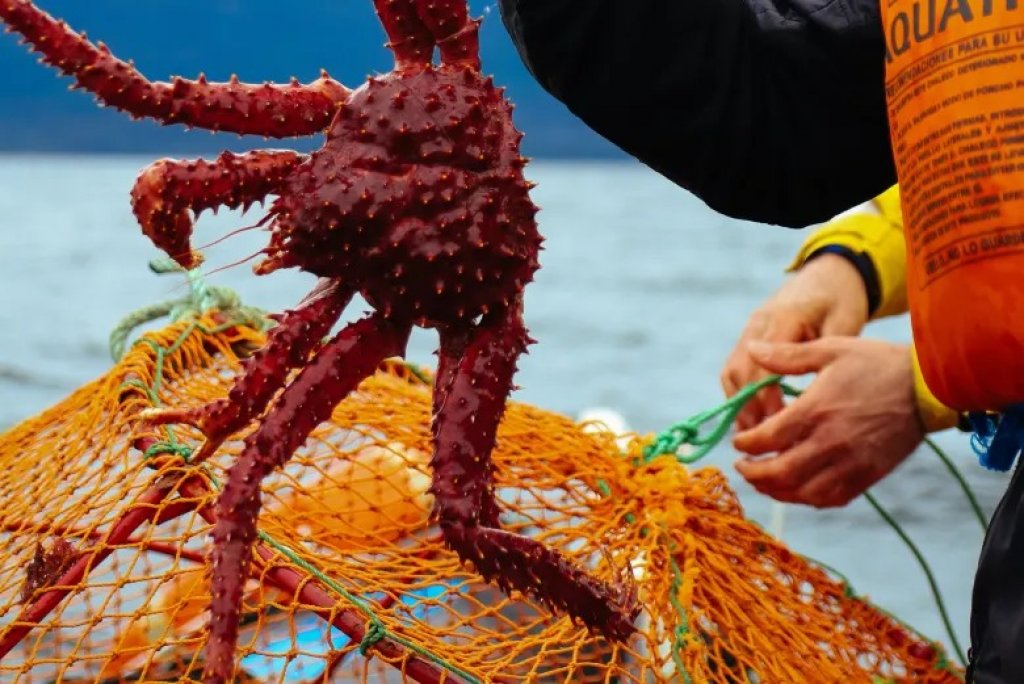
(688, 432)
(201, 299)
(168, 448)
(375, 631)
(932, 583)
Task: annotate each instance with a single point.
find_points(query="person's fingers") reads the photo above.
(835, 486)
(772, 400)
(795, 358)
(761, 406)
(789, 470)
(855, 423)
(779, 432)
(741, 369)
(728, 381)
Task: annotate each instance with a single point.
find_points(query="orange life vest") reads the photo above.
(955, 91)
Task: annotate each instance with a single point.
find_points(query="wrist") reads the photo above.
(835, 283)
(862, 264)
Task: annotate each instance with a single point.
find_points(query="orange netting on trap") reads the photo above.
(103, 572)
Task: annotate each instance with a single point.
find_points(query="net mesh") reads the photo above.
(104, 536)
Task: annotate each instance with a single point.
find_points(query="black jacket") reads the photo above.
(768, 110)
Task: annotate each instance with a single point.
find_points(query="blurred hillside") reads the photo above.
(258, 40)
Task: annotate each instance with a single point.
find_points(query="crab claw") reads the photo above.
(164, 221)
(169, 194)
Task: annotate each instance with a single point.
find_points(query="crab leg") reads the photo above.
(166, 190)
(408, 38)
(464, 436)
(330, 376)
(288, 346)
(277, 111)
(453, 348)
(456, 34)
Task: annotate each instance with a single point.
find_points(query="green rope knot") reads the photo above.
(672, 440)
(688, 432)
(201, 299)
(181, 450)
(375, 632)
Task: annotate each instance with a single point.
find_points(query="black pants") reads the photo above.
(997, 612)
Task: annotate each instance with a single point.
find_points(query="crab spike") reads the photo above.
(408, 38)
(331, 375)
(457, 35)
(166, 191)
(281, 111)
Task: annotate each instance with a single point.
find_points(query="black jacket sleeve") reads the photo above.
(768, 110)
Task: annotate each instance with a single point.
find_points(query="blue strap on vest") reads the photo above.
(998, 440)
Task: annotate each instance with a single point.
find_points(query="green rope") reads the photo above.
(688, 432)
(119, 335)
(958, 476)
(851, 593)
(683, 628)
(936, 592)
(375, 629)
(848, 590)
(168, 448)
(201, 299)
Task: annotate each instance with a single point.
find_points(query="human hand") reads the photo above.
(825, 297)
(853, 425)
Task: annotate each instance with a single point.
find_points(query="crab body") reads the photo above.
(417, 201)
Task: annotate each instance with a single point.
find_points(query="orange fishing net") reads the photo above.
(104, 534)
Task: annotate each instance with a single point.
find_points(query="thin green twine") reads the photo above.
(201, 299)
(688, 433)
(375, 629)
(683, 628)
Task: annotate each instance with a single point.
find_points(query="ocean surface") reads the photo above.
(642, 293)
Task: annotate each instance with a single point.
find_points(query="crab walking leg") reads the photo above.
(409, 39)
(456, 34)
(480, 501)
(336, 370)
(464, 436)
(297, 334)
(166, 190)
(450, 352)
(277, 111)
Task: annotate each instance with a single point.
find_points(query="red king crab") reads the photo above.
(417, 201)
